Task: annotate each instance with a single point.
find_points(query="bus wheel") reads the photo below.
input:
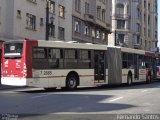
(72, 82)
(129, 79)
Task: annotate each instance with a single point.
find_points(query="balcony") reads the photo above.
(89, 18)
(121, 16)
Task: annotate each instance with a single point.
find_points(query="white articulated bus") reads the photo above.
(51, 64)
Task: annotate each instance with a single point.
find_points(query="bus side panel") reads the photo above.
(142, 75)
(41, 79)
(28, 56)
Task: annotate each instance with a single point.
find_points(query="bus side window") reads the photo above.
(147, 65)
(124, 60)
(55, 58)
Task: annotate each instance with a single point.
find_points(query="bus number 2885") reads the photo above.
(46, 72)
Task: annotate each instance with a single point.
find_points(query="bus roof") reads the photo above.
(59, 44)
(130, 50)
(74, 44)
(134, 51)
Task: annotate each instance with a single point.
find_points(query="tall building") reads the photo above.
(120, 23)
(22, 19)
(144, 24)
(72, 20)
(134, 24)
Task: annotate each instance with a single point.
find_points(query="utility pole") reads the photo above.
(47, 20)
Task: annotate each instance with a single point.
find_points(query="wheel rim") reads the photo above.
(72, 82)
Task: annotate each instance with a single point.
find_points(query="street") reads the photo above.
(136, 99)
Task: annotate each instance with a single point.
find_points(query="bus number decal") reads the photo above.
(46, 73)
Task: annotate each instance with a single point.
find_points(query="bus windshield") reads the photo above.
(13, 50)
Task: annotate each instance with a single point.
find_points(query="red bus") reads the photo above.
(51, 64)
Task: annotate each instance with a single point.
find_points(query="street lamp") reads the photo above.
(48, 25)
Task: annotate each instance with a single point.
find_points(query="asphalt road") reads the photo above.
(82, 103)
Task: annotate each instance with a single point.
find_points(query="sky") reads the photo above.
(159, 22)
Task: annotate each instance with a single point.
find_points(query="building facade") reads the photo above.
(72, 20)
(21, 19)
(144, 24)
(91, 21)
(120, 23)
(134, 24)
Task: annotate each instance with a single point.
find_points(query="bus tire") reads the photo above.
(72, 82)
(129, 79)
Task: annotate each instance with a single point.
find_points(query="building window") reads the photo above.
(61, 33)
(156, 35)
(41, 22)
(120, 24)
(149, 7)
(144, 18)
(138, 40)
(98, 34)
(93, 33)
(145, 31)
(144, 3)
(121, 38)
(78, 5)
(61, 11)
(149, 20)
(31, 21)
(86, 8)
(86, 30)
(138, 13)
(103, 36)
(120, 9)
(103, 15)
(104, 2)
(52, 7)
(19, 13)
(156, 22)
(156, 6)
(138, 27)
(149, 33)
(99, 12)
(77, 26)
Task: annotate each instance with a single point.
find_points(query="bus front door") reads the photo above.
(99, 67)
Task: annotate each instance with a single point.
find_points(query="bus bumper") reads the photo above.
(13, 81)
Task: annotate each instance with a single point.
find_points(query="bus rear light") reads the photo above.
(24, 70)
(24, 67)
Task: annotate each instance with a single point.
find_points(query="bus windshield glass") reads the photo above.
(13, 50)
